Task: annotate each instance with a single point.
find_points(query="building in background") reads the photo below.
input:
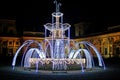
(10, 40)
(80, 29)
(108, 42)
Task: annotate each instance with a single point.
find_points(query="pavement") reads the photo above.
(111, 72)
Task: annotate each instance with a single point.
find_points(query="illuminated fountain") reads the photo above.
(56, 49)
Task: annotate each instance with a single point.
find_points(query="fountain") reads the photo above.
(56, 49)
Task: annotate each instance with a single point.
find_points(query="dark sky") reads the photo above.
(36, 13)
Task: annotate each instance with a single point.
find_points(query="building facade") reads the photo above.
(107, 44)
(10, 40)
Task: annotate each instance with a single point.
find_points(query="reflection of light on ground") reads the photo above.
(49, 72)
(111, 73)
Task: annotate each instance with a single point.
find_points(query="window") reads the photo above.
(10, 42)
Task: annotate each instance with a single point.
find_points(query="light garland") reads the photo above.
(57, 61)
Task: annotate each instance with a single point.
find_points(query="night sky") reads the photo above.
(36, 13)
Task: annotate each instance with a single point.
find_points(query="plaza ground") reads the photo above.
(112, 72)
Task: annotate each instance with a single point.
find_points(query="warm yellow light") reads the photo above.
(60, 61)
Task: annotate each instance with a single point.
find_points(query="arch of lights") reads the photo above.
(56, 49)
